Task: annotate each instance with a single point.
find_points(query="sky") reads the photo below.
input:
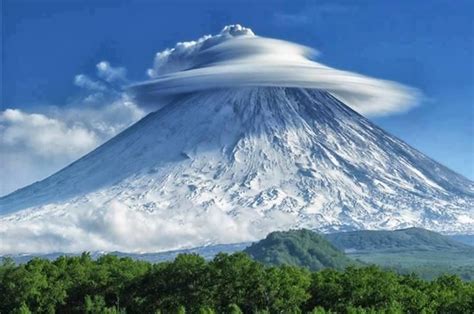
(64, 62)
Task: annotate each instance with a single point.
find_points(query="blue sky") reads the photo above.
(425, 44)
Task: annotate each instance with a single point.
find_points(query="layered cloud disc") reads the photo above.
(236, 57)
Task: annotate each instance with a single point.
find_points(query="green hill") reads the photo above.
(302, 248)
(427, 253)
(403, 239)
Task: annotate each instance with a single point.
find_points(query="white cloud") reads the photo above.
(83, 81)
(185, 55)
(43, 135)
(236, 57)
(115, 226)
(34, 145)
(111, 74)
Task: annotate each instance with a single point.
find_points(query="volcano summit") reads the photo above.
(248, 136)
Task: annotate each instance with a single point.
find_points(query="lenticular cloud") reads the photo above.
(237, 57)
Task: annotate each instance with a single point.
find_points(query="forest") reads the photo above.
(226, 284)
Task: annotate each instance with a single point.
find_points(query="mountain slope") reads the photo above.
(413, 250)
(464, 238)
(301, 248)
(405, 239)
(231, 165)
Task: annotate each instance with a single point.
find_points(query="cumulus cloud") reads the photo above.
(19, 130)
(237, 57)
(31, 144)
(82, 80)
(34, 145)
(111, 74)
(115, 226)
(186, 55)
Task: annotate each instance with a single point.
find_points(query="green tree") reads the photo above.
(287, 289)
(189, 283)
(94, 305)
(319, 310)
(185, 281)
(239, 280)
(23, 309)
(206, 310)
(233, 309)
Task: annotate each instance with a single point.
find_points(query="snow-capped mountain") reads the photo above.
(247, 136)
(234, 164)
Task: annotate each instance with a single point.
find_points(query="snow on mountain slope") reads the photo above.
(231, 165)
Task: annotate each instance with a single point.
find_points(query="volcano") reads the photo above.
(225, 165)
(268, 158)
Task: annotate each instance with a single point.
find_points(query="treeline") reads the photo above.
(227, 284)
(433, 271)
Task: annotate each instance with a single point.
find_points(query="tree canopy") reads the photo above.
(227, 284)
(302, 248)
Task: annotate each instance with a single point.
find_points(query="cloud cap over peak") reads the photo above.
(237, 57)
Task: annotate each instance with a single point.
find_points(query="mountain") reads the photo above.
(302, 248)
(231, 165)
(413, 250)
(208, 252)
(464, 238)
(405, 239)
